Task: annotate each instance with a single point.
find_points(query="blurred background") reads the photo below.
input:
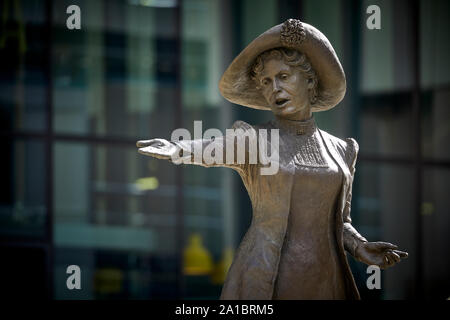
(73, 102)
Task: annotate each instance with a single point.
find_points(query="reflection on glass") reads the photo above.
(118, 72)
(22, 208)
(113, 207)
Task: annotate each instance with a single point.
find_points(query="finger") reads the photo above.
(393, 257)
(389, 261)
(402, 254)
(160, 144)
(145, 151)
(380, 245)
(385, 263)
(143, 143)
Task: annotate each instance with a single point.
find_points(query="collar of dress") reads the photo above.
(296, 127)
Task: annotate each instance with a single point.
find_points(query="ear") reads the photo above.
(310, 83)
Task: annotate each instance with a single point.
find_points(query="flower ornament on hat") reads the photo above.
(292, 33)
(237, 85)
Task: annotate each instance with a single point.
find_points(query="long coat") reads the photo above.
(253, 272)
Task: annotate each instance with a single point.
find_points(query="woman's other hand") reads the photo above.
(382, 254)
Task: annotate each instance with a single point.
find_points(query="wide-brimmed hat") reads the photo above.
(238, 87)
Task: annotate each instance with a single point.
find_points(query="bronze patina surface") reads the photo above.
(301, 227)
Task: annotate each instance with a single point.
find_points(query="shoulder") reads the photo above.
(348, 147)
(239, 124)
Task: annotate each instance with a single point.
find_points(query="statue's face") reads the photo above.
(285, 88)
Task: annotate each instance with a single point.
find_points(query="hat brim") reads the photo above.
(237, 86)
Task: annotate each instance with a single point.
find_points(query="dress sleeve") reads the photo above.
(229, 150)
(352, 238)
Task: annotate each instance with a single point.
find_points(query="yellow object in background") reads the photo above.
(149, 183)
(108, 281)
(197, 260)
(221, 268)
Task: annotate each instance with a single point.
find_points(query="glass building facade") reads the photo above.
(73, 103)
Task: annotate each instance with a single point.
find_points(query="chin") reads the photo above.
(287, 111)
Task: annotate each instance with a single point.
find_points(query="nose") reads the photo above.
(275, 86)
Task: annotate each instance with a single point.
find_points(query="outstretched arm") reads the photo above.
(229, 150)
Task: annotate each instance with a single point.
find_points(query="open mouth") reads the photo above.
(281, 101)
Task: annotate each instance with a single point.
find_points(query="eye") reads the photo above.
(284, 76)
(265, 82)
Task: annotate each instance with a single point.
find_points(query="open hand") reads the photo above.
(158, 148)
(382, 254)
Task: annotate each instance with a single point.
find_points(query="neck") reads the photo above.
(297, 127)
(302, 115)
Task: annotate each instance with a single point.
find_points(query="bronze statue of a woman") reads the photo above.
(301, 226)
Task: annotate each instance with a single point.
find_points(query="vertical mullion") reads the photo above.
(179, 181)
(49, 151)
(355, 63)
(418, 148)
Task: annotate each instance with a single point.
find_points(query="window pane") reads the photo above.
(117, 75)
(386, 123)
(435, 125)
(23, 209)
(436, 237)
(386, 57)
(383, 210)
(115, 215)
(434, 44)
(23, 52)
